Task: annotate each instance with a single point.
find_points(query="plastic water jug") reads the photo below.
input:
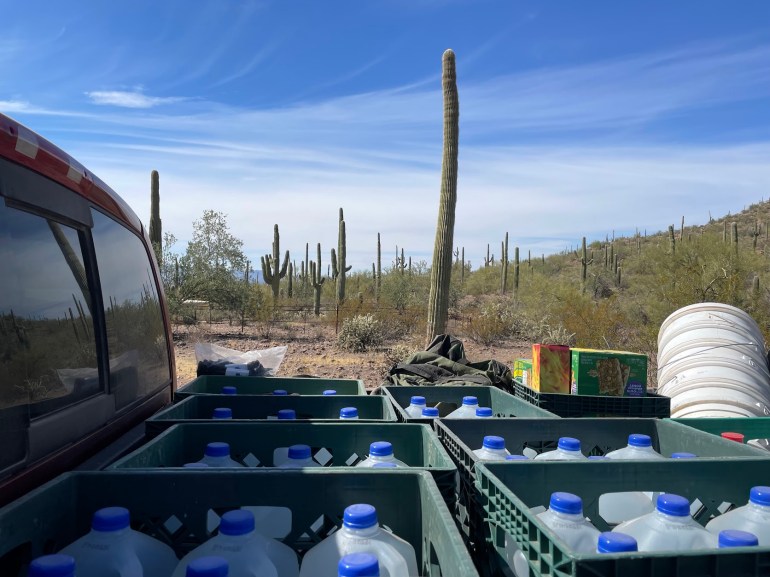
(195, 465)
(734, 538)
(52, 566)
(218, 455)
(385, 465)
(287, 414)
(484, 413)
(329, 392)
(112, 547)
(516, 458)
(467, 410)
(229, 390)
(208, 567)
(381, 452)
(597, 458)
(668, 528)
(349, 413)
(361, 533)
(248, 553)
(639, 447)
(565, 517)
(358, 565)
(430, 413)
(492, 449)
(280, 393)
(299, 456)
(568, 449)
(221, 413)
(610, 542)
(683, 455)
(753, 517)
(416, 405)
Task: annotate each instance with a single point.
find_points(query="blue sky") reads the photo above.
(576, 118)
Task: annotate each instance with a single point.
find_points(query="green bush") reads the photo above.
(360, 333)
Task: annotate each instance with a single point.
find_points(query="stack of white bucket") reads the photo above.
(712, 363)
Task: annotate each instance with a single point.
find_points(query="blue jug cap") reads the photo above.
(417, 400)
(385, 465)
(280, 393)
(380, 449)
(237, 522)
(217, 450)
(569, 444)
(329, 392)
(348, 412)
(637, 440)
(610, 542)
(598, 458)
(196, 465)
(110, 519)
(673, 505)
(299, 452)
(209, 566)
(470, 401)
(683, 455)
(430, 412)
(229, 390)
(358, 565)
(52, 566)
(360, 516)
(484, 412)
(493, 442)
(287, 414)
(516, 458)
(735, 538)
(223, 413)
(566, 503)
(760, 495)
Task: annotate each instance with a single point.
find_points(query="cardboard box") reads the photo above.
(522, 371)
(608, 373)
(551, 368)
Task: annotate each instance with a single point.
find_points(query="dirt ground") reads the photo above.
(313, 351)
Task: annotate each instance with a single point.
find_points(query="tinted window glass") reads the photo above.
(136, 337)
(47, 343)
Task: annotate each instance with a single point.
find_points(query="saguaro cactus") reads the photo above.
(441, 270)
(584, 262)
(516, 270)
(671, 239)
(504, 271)
(272, 270)
(378, 280)
(339, 269)
(291, 281)
(156, 229)
(734, 235)
(317, 280)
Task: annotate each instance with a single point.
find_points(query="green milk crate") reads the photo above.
(182, 508)
(332, 445)
(451, 397)
(597, 436)
(508, 492)
(199, 409)
(212, 385)
(749, 427)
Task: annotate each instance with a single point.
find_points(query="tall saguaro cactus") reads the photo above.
(339, 269)
(516, 270)
(441, 271)
(156, 229)
(317, 280)
(378, 280)
(504, 260)
(272, 270)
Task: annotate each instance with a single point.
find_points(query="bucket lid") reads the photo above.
(735, 538)
(737, 437)
(683, 455)
(566, 503)
(360, 516)
(287, 414)
(470, 401)
(638, 440)
(381, 449)
(52, 566)
(223, 413)
(760, 495)
(484, 412)
(208, 566)
(610, 542)
(673, 505)
(493, 442)
(110, 519)
(217, 450)
(299, 452)
(229, 390)
(569, 444)
(358, 565)
(430, 412)
(280, 393)
(237, 522)
(329, 392)
(417, 400)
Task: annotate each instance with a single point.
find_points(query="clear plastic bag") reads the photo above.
(264, 362)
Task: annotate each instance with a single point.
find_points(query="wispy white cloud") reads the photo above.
(11, 106)
(130, 99)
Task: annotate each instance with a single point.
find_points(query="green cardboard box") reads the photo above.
(608, 373)
(522, 371)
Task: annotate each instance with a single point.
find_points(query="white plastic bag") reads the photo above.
(270, 359)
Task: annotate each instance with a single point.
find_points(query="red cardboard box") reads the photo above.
(551, 365)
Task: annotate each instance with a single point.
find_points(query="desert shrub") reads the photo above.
(360, 333)
(399, 353)
(494, 320)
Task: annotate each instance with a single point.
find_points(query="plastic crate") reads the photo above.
(591, 406)
(182, 508)
(212, 385)
(199, 408)
(750, 427)
(598, 436)
(502, 404)
(332, 445)
(509, 490)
